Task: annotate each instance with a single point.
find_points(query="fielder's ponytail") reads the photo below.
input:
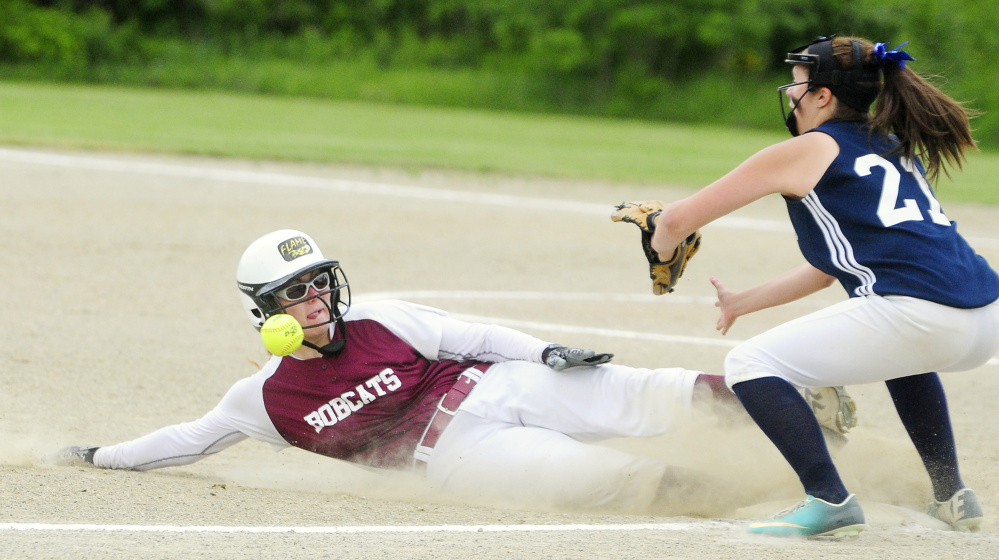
(928, 124)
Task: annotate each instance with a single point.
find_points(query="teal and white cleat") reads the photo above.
(962, 511)
(814, 518)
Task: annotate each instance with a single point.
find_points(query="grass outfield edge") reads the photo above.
(262, 127)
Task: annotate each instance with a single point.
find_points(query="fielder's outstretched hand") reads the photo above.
(560, 357)
(725, 304)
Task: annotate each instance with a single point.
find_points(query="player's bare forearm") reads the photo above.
(792, 285)
(801, 281)
(683, 217)
(781, 168)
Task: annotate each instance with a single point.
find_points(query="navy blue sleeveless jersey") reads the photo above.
(873, 223)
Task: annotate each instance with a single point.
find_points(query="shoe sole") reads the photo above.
(842, 532)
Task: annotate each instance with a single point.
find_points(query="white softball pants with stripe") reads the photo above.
(521, 435)
(869, 339)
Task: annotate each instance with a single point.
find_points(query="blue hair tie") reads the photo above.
(884, 55)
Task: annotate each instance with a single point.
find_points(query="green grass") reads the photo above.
(301, 129)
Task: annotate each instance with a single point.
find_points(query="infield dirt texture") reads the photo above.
(121, 316)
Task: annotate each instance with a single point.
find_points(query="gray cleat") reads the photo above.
(962, 511)
(836, 412)
(833, 407)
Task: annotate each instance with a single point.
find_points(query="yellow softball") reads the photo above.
(281, 334)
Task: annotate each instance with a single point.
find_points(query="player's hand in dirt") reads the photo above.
(73, 456)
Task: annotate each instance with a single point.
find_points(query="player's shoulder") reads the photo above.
(419, 326)
(250, 386)
(842, 134)
(265, 371)
(814, 141)
(387, 309)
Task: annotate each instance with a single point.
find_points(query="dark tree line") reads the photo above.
(588, 50)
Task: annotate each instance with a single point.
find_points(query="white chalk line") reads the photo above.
(86, 527)
(536, 296)
(339, 185)
(556, 327)
(569, 329)
(595, 331)
(370, 188)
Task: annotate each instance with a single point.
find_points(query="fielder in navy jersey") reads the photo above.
(921, 300)
(480, 409)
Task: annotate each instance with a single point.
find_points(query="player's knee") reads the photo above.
(745, 363)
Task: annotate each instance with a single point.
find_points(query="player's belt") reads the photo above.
(446, 409)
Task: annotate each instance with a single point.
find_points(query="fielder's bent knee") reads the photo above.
(747, 362)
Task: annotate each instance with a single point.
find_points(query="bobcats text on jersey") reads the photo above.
(342, 406)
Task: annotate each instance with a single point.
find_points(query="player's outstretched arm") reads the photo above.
(180, 444)
(790, 286)
(495, 343)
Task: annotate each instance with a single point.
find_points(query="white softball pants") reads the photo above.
(520, 436)
(868, 339)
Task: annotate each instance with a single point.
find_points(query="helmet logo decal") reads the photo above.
(294, 248)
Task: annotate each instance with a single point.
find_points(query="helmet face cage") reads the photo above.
(789, 119)
(339, 289)
(799, 56)
(851, 87)
(279, 259)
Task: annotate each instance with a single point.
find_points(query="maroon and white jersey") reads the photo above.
(368, 404)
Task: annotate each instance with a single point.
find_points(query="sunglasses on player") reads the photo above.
(298, 291)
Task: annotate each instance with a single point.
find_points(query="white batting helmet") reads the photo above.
(278, 259)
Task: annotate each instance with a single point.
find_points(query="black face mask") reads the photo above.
(791, 123)
(790, 120)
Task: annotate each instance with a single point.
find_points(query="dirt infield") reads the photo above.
(121, 316)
